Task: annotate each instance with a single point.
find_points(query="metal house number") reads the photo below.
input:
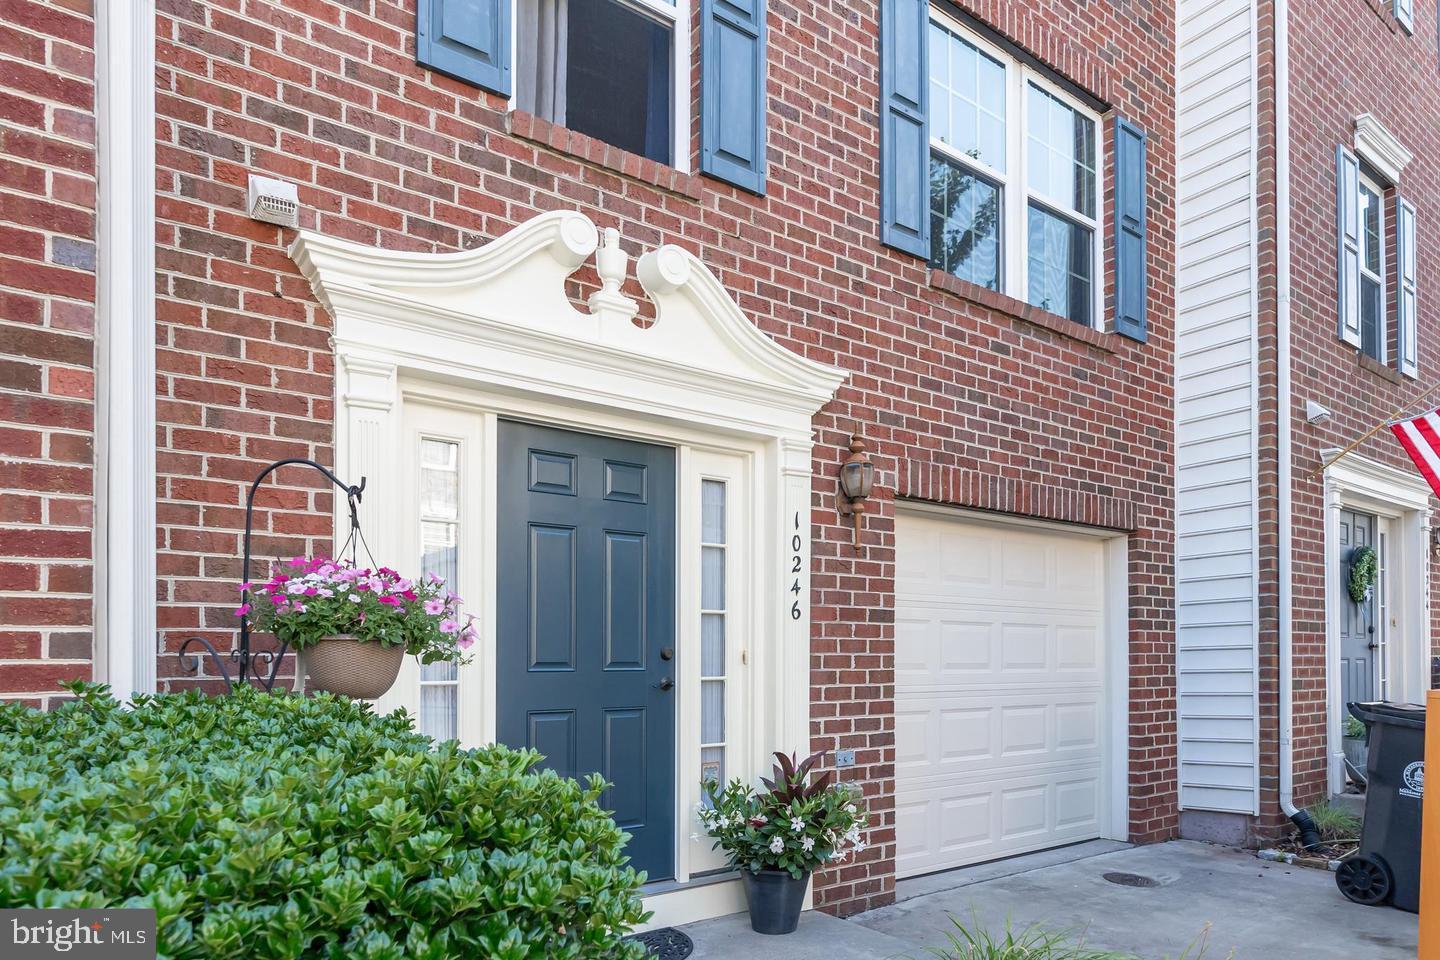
(795, 544)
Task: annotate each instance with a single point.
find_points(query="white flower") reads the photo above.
(354, 598)
(859, 846)
(777, 845)
(797, 824)
(807, 844)
(849, 808)
(852, 835)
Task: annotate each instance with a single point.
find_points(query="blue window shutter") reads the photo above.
(1131, 266)
(1406, 333)
(905, 125)
(732, 92)
(466, 39)
(1347, 236)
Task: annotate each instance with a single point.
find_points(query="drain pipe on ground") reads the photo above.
(1309, 835)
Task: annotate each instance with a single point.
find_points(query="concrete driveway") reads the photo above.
(1252, 909)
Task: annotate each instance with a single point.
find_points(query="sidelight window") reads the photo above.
(439, 544)
(713, 628)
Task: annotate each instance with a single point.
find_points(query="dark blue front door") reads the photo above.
(586, 620)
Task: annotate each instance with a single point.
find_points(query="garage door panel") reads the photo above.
(999, 691)
(948, 738)
(1022, 647)
(943, 825)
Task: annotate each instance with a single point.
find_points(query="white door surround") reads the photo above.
(1400, 500)
(1011, 686)
(490, 333)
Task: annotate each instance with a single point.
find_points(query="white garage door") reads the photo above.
(1000, 712)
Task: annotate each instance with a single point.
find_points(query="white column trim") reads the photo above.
(126, 643)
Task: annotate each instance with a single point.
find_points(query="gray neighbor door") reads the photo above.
(585, 623)
(1359, 641)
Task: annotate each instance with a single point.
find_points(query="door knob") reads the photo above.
(667, 653)
(666, 684)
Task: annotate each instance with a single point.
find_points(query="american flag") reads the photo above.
(1421, 439)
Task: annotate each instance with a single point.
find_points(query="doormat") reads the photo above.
(666, 943)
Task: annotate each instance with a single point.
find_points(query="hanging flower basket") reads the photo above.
(1364, 569)
(353, 626)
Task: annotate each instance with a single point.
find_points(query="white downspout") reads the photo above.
(1282, 390)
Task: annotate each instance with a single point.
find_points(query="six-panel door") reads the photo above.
(585, 621)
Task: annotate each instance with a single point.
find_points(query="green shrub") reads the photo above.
(270, 826)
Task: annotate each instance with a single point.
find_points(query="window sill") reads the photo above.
(1368, 362)
(1021, 310)
(527, 126)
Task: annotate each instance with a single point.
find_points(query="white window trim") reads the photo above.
(1380, 148)
(677, 16)
(1015, 189)
(1378, 190)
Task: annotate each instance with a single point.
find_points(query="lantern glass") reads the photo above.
(856, 479)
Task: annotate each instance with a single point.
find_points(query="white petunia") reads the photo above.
(797, 824)
(777, 845)
(807, 844)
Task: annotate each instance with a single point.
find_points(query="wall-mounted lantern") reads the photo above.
(857, 478)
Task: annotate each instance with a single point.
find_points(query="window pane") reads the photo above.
(712, 763)
(712, 578)
(1371, 308)
(617, 77)
(964, 223)
(437, 711)
(438, 549)
(967, 98)
(1371, 230)
(1059, 265)
(712, 645)
(1062, 152)
(432, 672)
(712, 511)
(712, 711)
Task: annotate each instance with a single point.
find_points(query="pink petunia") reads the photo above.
(243, 609)
(435, 607)
(449, 626)
(467, 638)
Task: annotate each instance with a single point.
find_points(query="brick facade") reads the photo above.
(47, 370)
(1345, 60)
(965, 397)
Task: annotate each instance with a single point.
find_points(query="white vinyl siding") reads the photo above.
(1216, 588)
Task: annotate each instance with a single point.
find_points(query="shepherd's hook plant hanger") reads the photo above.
(245, 659)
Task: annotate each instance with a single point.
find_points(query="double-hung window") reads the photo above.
(1372, 269)
(1014, 185)
(605, 68)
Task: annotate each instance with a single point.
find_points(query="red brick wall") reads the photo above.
(1346, 59)
(965, 397)
(47, 382)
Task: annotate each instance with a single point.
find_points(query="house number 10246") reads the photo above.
(795, 562)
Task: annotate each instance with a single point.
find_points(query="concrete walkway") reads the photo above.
(1252, 909)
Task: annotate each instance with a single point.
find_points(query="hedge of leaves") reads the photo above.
(270, 826)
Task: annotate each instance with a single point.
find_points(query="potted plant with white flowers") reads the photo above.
(777, 838)
(353, 626)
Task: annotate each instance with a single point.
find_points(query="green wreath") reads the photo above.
(1364, 568)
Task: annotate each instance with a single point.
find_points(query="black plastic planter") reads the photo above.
(775, 899)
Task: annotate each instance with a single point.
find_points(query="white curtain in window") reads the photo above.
(541, 55)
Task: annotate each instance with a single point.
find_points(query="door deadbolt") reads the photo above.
(666, 684)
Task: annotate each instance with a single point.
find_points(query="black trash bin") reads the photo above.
(1386, 868)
